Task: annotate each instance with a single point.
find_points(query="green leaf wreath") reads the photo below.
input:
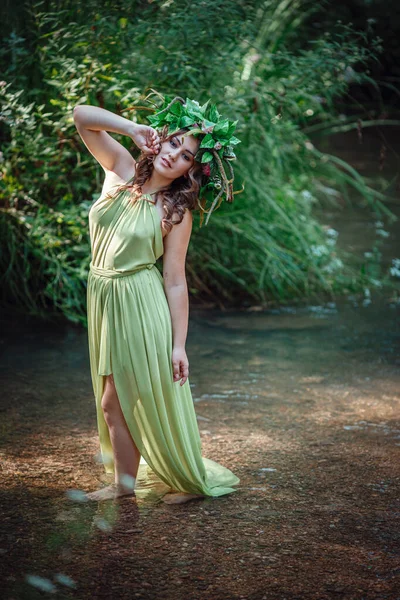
(216, 147)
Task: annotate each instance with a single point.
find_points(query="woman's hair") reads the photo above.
(182, 193)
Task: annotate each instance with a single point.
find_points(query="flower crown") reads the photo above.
(215, 147)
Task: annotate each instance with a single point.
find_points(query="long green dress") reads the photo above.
(130, 336)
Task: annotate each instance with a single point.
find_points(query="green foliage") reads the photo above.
(246, 56)
(45, 259)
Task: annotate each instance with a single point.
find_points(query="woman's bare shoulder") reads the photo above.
(113, 179)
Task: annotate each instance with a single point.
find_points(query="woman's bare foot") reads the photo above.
(111, 492)
(179, 497)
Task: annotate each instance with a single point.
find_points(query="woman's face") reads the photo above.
(176, 155)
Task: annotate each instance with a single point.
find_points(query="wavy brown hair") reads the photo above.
(181, 194)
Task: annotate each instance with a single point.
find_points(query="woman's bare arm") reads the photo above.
(92, 123)
(175, 249)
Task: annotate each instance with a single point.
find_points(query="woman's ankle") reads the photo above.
(125, 482)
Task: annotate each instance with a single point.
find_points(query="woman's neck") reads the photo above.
(155, 183)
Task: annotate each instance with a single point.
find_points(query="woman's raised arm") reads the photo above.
(92, 124)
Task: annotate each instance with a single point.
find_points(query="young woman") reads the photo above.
(138, 319)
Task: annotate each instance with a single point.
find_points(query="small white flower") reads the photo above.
(376, 283)
(334, 265)
(332, 232)
(382, 233)
(395, 272)
(320, 250)
(379, 224)
(368, 254)
(306, 195)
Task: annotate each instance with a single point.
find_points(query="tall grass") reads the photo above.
(250, 57)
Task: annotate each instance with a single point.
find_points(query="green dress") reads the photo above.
(130, 336)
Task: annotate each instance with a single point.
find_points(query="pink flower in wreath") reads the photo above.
(207, 129)
(207, 170)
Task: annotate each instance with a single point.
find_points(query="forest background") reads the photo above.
(292, 72)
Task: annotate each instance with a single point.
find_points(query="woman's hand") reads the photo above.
(180, 365)
(146, 138)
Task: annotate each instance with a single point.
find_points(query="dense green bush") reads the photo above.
(266, 246)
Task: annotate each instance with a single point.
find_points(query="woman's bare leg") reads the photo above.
(126, 453)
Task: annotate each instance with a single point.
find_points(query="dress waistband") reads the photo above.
(111, 273)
